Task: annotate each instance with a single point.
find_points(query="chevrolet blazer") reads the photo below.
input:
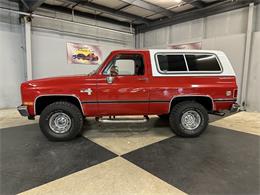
(182, 86)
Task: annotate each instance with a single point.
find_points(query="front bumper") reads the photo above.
(23, 110)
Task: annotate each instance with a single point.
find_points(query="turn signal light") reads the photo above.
(28, 103)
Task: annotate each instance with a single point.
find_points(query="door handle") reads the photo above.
(143, 79)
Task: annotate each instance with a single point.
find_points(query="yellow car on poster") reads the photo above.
(84, 54)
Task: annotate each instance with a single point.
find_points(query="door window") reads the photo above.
(125, 64)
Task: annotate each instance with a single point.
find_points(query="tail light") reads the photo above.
(235, 93)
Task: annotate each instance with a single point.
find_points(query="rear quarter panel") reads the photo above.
(166, 87)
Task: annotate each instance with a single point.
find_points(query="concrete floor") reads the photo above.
(131, 159)
(11, 118)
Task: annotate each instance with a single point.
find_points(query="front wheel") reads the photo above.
(61, 121)
(188, 119)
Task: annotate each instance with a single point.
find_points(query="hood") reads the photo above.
(59, 81)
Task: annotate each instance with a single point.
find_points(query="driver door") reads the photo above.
(128, 92)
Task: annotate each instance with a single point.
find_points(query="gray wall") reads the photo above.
(49, 40)
(49, 57)
(253, 95)
(226, 32)
(12, 64)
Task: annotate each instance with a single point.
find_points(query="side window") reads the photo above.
(169, 63)
(125, 64)
(202, 62)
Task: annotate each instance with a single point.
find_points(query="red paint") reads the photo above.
(148, 94)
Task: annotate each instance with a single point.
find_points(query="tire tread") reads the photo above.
(69, 107)
(175, 115)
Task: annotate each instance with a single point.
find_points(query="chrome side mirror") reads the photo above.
(110, 79)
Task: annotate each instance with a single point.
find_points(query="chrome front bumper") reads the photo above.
(23, 110)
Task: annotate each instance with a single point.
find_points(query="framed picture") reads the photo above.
(78, 53)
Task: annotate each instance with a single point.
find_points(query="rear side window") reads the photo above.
(202, 62)
(168, 63)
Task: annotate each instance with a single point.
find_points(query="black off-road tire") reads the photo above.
(69, 109)
(176, 114)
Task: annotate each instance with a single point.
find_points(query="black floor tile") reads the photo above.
(220, 161)
(28, 159)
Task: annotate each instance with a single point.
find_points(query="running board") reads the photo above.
(122, 120)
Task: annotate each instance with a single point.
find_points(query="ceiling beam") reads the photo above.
(32, 5)
(150, 7)
(123, 7)
(112, 11)
(213, 9)
(65, 10)
(195, 3)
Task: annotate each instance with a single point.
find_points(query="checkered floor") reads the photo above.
(133, 159)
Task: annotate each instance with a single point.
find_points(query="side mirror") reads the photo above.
(110, 79)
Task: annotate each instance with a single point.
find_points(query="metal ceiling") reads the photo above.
(143, 15)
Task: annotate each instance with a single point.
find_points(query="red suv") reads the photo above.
(182, 85)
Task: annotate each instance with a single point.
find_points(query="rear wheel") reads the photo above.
(61, 121)
(188, 119)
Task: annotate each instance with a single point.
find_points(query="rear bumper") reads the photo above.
(23, 110)
(235, 107)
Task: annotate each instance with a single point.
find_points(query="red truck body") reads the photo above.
(131, 94)
(182, 86)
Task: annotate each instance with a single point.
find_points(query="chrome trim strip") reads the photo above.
(225, 100)
(143, 120)
(124, 101)
(186, 63)
(69, 95)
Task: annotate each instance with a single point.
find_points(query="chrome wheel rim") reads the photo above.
(191, 120)
(60, 122)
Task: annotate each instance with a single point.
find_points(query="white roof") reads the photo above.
(186, 51)
(226, 67)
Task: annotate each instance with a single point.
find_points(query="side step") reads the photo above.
(122, 120)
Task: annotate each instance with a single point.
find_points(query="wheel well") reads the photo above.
(203, 100)
(44, 101)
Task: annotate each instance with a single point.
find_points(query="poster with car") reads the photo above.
(195, 45)
(78, 53)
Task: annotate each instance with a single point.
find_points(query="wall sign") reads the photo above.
(78, 53)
